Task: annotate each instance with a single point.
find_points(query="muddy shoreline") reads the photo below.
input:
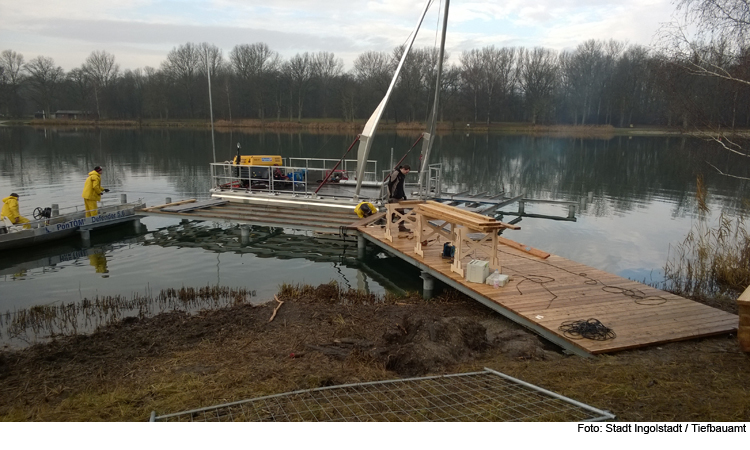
(175, 362)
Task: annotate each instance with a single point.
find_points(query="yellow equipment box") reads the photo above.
(259, 160)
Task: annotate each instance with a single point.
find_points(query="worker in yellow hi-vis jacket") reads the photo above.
(10, 210)
(92, 191)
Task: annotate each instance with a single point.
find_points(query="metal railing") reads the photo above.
(348, 165)
(434, 182)
(66, 213)
(296, 180)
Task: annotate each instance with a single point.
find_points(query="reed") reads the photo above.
(49, 321)
(333, 293)
(712, 262)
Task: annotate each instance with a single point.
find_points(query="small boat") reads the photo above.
(50, 225)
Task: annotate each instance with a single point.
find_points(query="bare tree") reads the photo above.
(102, 71)
(255, 65)
(705, 27)
(538, 80)
(414, 81)
(472, 68)
(373, 72)
(11, 78)
(498, 73)
(326, 68)
(182, 66)
(349, 97)
(629, 85)
(210, 57)
(711, 38)
(583, 70)
(155, 101)
(44, 79)
(300, 70)
(81, 86)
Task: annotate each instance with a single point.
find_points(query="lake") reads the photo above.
(635, 198)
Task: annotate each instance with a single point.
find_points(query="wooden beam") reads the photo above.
(455, 217)
(481, 217)
(523, 248)
(366, 221)
(182, 202)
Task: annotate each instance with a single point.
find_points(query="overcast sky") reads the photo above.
(141, 32)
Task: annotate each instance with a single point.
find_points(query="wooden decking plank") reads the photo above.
(654, 321)
(535, 300)
(251, 217)
(626, 336)
(615, 307)
(577, 291)
(642, 340)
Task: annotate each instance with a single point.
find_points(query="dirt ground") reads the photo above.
(175, 362)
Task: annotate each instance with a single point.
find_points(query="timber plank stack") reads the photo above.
(471, 220)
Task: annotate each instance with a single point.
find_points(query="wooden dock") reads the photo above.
(543, 293)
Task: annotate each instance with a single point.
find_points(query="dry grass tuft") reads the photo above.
(712, 264)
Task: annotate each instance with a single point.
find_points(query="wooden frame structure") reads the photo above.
(453, 224)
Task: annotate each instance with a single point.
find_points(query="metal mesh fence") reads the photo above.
(471, 397)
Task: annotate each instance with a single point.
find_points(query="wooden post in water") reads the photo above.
(743, 331)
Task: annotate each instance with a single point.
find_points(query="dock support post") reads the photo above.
(123, 198)
(521, 206)
(428, 285)
(244, 235)
(743, 331)
(86, 237)
(168, 200)
(55, 210)
(361, 246)
(571, 211)
(137, 226)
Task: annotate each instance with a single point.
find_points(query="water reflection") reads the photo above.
(281, 244)
(635, 197)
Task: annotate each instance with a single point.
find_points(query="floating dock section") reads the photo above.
(546, 291)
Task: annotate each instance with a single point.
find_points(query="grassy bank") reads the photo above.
(324, 336)
(338, 126)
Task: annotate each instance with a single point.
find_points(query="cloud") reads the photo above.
(141, 32)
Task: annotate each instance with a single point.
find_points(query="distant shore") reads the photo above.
(339, 126)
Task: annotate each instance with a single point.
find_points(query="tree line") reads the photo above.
(599, 82)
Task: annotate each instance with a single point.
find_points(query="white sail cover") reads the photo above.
(365, 139)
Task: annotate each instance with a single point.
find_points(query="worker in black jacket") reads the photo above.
(396, 181)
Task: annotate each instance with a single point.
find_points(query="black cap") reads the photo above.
(14, 195)
(98, 168)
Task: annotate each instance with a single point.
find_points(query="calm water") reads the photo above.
(635, 198)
